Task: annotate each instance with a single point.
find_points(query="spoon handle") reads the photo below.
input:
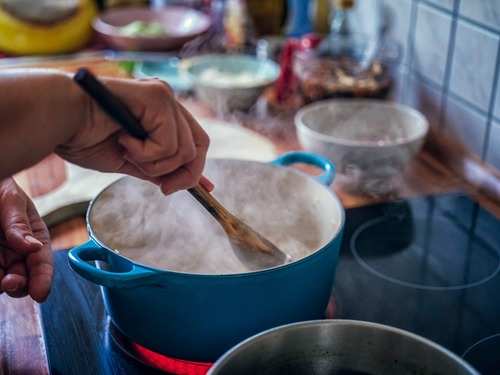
(119, 112)
(109, 103)
(212, 205)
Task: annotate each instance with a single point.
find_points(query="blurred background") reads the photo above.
(440, 56)
(242, 60)
(402, 95)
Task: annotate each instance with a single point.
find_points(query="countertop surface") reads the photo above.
(22, 348)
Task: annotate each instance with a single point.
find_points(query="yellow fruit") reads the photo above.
(25, 38)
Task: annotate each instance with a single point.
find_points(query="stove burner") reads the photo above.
(152, 359)
(415, 252)
(331, 309)
(484, 355)
(167, 364)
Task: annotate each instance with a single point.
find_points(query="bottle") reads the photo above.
(322, 16)
(353, 38)
(299, 20)
(121, 3)
(268, 16)
(237, 25)
(341, 19)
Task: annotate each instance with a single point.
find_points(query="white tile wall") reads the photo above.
(473, 65)
(493, 154)
(425, 98)
(398, 89)
(486, 12)
(398, 14)
(470, 65)
(447, 4)
(468, 125)
(432, 36)
(496, 109)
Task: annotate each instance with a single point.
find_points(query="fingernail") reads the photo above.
(32, 240)
(167, 191)
(12, 288)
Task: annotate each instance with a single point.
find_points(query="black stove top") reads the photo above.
(428, 265)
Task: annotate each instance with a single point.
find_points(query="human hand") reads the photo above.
(173, 156)
(25, 255)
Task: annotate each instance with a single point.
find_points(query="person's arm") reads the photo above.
(39, 110)
(42, 111)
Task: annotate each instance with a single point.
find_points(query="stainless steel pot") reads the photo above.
(339, 347)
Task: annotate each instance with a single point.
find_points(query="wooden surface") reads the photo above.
(21, 344)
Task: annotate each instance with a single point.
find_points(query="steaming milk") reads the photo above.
(134, 218)
(361, 123)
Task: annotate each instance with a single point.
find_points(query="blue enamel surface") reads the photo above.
(124, 274)
(319, 161)
(199, 317)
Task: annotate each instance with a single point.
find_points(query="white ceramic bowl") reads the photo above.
(230, 96)
(370, 141)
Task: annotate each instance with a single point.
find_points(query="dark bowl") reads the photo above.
(180, 23)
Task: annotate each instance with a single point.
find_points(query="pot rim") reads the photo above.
(303, 127)
(341, 322)
(338, 232)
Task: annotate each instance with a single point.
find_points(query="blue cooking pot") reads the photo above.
(199, 317)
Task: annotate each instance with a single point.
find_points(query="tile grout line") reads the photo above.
(465, 19)
(448, 67)
(433, 85)
(411, 49)
(437, 7)
(478, 24)
(491, 105)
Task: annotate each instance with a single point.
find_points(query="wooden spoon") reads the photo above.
(252, 249)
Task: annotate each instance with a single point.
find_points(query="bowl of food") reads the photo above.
(230, 82)
(145, 29)
(170, 278)
(342, 347)
(371, 142)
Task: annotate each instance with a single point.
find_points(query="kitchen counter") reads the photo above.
(21, 343)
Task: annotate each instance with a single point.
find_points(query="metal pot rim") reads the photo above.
(263, 272)
(340, 322)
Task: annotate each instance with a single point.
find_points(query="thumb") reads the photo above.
(15, 223)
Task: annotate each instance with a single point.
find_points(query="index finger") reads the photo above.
(202, 143)
(40, 271)
(39, 264)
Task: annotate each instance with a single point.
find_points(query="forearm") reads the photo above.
(39, 110)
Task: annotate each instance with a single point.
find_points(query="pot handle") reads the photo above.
(90, 251)
(319, 161)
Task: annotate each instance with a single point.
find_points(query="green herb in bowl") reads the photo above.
(143, 29)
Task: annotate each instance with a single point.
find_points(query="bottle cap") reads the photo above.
(344, 4)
